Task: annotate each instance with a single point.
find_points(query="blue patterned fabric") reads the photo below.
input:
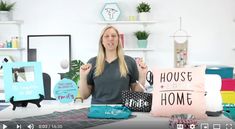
(109, 112)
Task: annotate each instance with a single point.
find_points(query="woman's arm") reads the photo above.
(136, 87)
(84, 88)
(142, 70)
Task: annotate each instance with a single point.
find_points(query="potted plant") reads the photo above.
(143, 10)
(5, 9)
(142, 37)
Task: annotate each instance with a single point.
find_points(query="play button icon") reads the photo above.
(4, 126)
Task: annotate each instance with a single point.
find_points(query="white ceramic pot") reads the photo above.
(143, 16)
(5, 16)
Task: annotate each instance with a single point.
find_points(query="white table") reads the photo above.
(141, 121)
(47, 107)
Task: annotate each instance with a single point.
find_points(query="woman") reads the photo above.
(111, 72)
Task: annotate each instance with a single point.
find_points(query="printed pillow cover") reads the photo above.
(179, 91)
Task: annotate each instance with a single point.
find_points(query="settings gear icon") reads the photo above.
(192, 126)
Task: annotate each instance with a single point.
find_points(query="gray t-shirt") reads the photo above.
(107, 87)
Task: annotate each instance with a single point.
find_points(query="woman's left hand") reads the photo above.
(142, 68)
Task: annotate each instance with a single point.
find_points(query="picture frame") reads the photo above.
(111, 12)
(22, 80)
(54, 53)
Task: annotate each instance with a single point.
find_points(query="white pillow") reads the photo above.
(213, 85)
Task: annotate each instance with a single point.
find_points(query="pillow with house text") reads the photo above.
(179, 91)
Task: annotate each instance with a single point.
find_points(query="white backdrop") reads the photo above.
(209, 22)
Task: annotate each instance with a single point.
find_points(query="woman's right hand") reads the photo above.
(84, 88)
(84, 70)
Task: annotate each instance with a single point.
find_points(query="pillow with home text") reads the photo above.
(179, 91)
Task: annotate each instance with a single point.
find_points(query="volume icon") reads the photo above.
(31, 126)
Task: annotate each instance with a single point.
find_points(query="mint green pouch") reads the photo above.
(109, 112)
(229, 111)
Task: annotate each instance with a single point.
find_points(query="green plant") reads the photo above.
(143, 7)
(4, 6)
(142, 35)
(74, 73)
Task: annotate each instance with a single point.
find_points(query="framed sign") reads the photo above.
(65, 91)
(111, 12)
(23, 80)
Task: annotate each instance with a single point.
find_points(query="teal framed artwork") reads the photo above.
(111, 12)
(23, 81)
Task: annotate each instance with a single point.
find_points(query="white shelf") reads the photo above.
(12, 49)
(11, 22)
(128, 22)
(138, 49)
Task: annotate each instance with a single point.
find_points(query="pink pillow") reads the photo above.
(179, 91)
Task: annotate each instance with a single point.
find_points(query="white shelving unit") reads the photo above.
(10, 29)
(138, 49)
(15, 53)
(128, 22)
(11, 22)
(12, 49)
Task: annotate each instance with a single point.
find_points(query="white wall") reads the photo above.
(209, 22)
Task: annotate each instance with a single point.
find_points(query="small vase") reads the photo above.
(143, 16)
(5, 16)
(142, 43)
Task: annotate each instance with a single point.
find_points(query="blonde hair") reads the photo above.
(100, 60)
